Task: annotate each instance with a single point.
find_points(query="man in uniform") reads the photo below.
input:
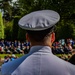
(40, 60)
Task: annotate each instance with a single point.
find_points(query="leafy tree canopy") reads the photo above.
(66, 9)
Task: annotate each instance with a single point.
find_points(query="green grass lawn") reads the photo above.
(19, 55)
(2, 55)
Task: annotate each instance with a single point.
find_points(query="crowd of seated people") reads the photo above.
(9, 58)
(17, 46)
(14, 47)
(63, 47)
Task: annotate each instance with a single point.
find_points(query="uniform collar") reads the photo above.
(44, 49)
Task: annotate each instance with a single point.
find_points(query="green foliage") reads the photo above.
(15, 28)
(65, 29)
(8, 29)
(21, 34)
(1, 27)
(66, 9)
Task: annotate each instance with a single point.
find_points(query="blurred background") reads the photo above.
(12, 37)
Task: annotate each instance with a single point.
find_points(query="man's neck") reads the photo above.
(40, 43)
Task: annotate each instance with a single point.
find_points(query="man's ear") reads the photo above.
(52, 37)
(27, 37)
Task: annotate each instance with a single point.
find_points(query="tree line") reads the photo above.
(13, 11)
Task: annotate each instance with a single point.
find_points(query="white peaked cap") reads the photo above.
(39, 20)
